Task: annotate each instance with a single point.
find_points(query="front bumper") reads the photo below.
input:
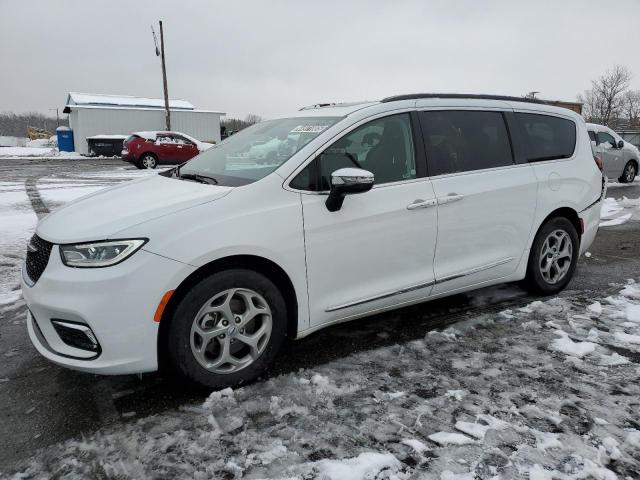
(116, 303)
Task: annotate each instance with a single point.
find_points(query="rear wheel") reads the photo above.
(148, 161)
(227, 329)
(629, 173)
(553, 257)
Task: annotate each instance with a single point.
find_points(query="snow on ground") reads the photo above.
(548, 391)
(618, 211)
(37, 152)
(17, 222)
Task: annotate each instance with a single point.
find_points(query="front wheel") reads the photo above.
(629, 173)
(227, 329)
(553, 257)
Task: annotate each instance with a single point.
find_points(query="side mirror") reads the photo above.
(620, 144)
(347, 181)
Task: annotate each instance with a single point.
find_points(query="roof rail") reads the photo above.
(415, 96)
(318, 105)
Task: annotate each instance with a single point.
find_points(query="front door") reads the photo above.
(377, 250)
(486, 202)
(185, 149)
(611, 155)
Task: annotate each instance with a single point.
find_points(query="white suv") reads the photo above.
(620, 158)
(208, 267)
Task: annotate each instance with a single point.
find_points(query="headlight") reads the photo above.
(99, 254)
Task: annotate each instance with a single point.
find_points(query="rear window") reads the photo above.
(547, 137)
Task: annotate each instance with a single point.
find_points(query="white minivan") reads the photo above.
(206, 268)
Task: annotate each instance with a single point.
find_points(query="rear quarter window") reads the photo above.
(547, 137)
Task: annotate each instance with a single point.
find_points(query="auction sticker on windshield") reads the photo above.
(309, 128)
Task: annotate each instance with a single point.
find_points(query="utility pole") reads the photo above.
(160, 53)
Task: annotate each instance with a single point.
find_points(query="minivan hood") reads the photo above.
(102, 214)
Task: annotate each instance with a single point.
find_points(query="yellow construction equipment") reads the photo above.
(35, 133)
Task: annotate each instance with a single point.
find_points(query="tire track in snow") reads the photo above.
(37, 204)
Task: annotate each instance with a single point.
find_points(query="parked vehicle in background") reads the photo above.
(150, 149)
(620, 158)
(106, 145)
(367, 207)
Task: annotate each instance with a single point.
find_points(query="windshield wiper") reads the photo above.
(197, 178)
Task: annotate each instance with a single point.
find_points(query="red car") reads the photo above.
(148, 149)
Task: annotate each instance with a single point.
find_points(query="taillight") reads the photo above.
(598, 161)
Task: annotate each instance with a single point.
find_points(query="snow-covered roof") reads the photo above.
(76, 98)
(152, 134)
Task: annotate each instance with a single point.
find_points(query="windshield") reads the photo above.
(255, 152)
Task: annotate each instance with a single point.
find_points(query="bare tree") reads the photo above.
(252, 118)
(15, 125)
(603, 101)
(631, 107)
(233, 125)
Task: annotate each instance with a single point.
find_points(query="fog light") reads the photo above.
(76, 335)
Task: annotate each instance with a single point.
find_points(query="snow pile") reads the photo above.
(549, 391)
(576, 349)
(37, 152)
(612, 211)
(364, 466)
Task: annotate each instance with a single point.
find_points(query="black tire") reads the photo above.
(534, 281)
(150, 160)
(629, 173)
(181, 359)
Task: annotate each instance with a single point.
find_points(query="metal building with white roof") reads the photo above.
(98, 114)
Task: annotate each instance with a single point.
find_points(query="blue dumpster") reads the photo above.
(65, 139)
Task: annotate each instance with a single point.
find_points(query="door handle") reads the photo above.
(420, 203)
(452, 197)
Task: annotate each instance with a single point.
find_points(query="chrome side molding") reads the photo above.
(419, 286)
(380, 296)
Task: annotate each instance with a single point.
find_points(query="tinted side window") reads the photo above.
(383, 146)
(547, 137)
(306, 179)
(592, 136)
(462, 141)
(604, 137)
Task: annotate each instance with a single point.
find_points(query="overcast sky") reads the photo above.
(271, 57)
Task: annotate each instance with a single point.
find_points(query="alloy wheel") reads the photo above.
(231, 330)
(630, 173)
(148, 161)
(556, 256)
